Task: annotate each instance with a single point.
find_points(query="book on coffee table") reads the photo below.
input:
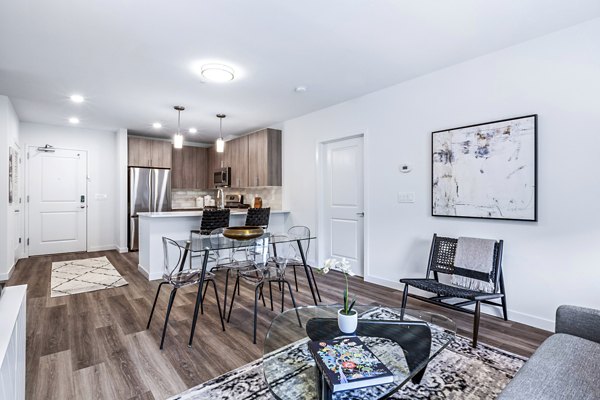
(347, 363)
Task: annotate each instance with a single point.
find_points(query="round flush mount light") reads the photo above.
(217, 72)
(193, 130)
(157, 125)
(74, 120)
(77, 98)
(300, 89)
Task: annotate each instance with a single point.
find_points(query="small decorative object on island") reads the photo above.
(243, 232)
(347, 317)
(258, 202)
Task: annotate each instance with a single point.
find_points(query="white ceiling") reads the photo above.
(132, 59)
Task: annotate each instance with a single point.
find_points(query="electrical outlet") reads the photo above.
(406, 197)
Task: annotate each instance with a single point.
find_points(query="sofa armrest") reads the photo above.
(578, 321)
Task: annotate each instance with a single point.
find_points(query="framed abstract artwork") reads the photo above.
(486, 170)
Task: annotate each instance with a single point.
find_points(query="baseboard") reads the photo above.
(122, 249)
(513, 315)
(101, 248)
(6, 276)
(144, 272)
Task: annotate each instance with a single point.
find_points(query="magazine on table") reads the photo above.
(347, 363)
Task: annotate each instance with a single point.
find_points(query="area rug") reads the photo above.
(458, 372)
(87, 275)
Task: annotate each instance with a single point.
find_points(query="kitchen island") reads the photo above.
(177, 225)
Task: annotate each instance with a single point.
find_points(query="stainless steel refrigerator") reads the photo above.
(149, 191)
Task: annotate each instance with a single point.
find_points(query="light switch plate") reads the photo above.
(406, 197)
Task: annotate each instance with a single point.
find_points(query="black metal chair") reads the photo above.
(257, 274)
(441, 261)
(258, 217)
(178, 274)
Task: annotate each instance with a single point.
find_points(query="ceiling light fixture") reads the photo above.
(193, 130)
(217, 72)
(220, 143)
(74, 120)
(178, 138)
(157, 125)
(77, 98)
(300, 89)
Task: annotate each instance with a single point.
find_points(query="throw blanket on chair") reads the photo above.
(473, 264)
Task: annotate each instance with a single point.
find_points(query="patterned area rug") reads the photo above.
(87, 275)
(458, 372)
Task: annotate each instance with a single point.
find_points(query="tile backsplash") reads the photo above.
(271, 196)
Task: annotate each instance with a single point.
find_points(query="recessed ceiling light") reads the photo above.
(74, 120)
(157, 125)
(300, 89)
(77, 98)
(217, 72)
(193, 130)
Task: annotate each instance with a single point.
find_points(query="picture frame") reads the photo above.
(486, 170)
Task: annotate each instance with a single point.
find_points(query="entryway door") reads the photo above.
(57, 207)
(343, 197)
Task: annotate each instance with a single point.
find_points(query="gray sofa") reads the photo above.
(567, 365)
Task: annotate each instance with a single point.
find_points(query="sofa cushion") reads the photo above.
(563, 367)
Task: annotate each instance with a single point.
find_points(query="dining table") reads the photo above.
(202, 245)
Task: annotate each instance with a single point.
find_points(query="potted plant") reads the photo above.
(347, 317)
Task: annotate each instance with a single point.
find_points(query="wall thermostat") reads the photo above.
(405, 168)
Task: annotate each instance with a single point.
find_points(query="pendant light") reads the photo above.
(178, 138)
(220, 143)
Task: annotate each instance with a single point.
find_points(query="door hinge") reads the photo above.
(27, 241)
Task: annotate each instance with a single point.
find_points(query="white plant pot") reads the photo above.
(347, 323)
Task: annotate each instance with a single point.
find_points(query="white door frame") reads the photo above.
(25, 172)
(320, 198)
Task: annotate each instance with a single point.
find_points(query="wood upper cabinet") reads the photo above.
(214, 163)
(148, 153)
(236, 157)
(264, 158)
(189, 168)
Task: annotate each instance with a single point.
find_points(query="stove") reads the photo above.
(235, 201)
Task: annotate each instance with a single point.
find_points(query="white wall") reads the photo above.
(103, 179)
(548, 263)
(9, 219)
(121, 224)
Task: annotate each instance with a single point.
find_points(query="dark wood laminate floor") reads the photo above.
(95, 345)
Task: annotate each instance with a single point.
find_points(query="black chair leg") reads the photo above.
(262, 296)
(256, 290)
(203, 297)
(476, 322)
(171, 298)
(504, 309)
(154, 304)
(271, 294)
(282, 294)
(294, 303)
(226, 288)
(218, 303)
(295, 278)
(237, 284)
(404, 300)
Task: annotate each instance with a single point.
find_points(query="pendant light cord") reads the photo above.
(178, 122)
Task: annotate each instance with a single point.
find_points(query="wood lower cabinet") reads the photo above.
(148, 153)
(189, 168)
(264, 158)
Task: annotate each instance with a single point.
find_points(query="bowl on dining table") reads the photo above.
(243, 232)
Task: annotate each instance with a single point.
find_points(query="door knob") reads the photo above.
(360, 214)
(82, 206)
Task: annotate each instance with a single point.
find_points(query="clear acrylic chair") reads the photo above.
(177, 273)
(261, 271)
(300, 232)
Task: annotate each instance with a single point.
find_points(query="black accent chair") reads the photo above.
(211, 220)
(441, 261)
(258, 217)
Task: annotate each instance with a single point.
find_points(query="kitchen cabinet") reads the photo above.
(214, 162)
(189, 168)
(236, 157)
(148, 153)
(264, 158)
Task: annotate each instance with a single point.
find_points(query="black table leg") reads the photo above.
(199, 298)
(308, 275)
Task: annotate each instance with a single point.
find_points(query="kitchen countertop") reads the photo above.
(194, 212)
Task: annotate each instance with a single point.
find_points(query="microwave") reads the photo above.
(222, 177)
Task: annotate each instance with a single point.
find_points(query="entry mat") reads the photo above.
(458, 372)
(87, 275)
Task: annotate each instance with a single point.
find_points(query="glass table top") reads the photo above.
(201, 243)
(404, 340)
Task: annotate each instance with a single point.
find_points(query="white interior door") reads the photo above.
(57, 201)
(343, 201)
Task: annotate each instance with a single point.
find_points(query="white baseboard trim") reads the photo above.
(6, 276)
(513, 315)
(101, 248)
(122, 249)
(143, 270)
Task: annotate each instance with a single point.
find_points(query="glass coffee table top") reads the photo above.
(400, 338)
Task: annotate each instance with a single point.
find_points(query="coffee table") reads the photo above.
(404, 340)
